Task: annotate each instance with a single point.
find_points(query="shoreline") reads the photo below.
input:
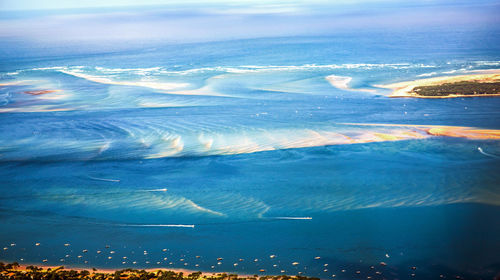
(444, 97)
(186, 272)
(405, 89)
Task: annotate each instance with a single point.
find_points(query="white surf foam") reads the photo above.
(427, 74)
(106, 80)
(241, 69)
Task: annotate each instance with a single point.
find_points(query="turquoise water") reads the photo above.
(242, 150)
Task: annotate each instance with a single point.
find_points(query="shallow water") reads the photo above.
(232, 151)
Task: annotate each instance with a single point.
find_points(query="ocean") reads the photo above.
(240, 156)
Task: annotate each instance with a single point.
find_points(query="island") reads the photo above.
(478, 84)
(15, 271)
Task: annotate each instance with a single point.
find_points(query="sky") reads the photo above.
(66, 4)
(47, 22)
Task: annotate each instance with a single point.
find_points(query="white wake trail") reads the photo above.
(486, 154)
(292, 218)
(157, 225)
(104, 179)
(155, 190)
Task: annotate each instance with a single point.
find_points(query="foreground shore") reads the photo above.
(16, 271)
(482, 83)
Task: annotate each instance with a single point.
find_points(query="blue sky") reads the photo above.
(49, 21)
(65, 4)
(6, 5)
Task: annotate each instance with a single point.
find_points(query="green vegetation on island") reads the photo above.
(14, 271)
(458, 88)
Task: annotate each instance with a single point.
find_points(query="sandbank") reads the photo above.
(472, 133)
(342, 82)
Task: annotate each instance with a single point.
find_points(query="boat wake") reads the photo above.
(104, 179)
(157, 225)
(290, 218)
(486, 154)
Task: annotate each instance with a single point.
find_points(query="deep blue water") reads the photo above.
(242, 150)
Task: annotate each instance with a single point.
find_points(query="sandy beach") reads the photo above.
(23, 267)
(405, 89)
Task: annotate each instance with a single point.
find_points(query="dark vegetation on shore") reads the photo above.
(13, 271)
(458, 88)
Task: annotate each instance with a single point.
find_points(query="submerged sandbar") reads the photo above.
(487, 83)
